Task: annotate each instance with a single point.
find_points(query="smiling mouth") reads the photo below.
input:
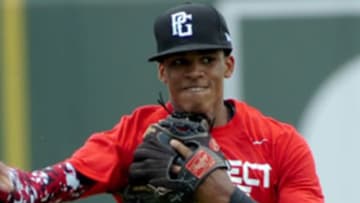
(195, 89)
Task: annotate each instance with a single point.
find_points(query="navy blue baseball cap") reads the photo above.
(190, 27)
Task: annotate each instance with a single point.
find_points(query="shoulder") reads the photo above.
(142, 117)
(131, 126)
(260, 126)
(282, 139)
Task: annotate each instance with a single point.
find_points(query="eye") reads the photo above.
(178, 62)
(207, 59)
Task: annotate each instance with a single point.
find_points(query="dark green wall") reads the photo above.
(285, 60)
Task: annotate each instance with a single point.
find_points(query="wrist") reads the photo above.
(239, 196)
(217, 188)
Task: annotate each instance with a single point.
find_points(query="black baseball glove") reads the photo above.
(151, 179)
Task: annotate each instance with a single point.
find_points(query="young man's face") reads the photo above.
(195, 80)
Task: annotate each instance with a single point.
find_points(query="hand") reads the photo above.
(217, 187)
(5, 182)
(151, 176)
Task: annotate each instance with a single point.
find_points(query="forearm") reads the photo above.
(237, 196)
(52, 184)
(218, 188)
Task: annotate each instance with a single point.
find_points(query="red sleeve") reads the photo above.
(98, 158)
(55, 183)
(106, 156)
(298, 181)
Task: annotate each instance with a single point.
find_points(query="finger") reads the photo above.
(175, 169)
(181, 148)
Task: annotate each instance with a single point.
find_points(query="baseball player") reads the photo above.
(267, 161)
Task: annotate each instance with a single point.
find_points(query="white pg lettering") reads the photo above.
(180, 27)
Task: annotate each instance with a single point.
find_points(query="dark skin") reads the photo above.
(195, 81)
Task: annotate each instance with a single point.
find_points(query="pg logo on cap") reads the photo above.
(180, 24)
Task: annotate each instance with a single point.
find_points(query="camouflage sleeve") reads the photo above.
(57, 183)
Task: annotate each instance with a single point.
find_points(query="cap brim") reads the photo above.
(185, 48)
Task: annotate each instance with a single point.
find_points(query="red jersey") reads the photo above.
(269, 159)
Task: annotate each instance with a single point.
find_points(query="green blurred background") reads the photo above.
(81, 64)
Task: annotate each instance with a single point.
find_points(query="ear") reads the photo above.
(229, 66)
(161, 73)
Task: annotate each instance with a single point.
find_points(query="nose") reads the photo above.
(194, 70)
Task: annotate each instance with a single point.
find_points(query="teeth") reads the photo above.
(196, 89)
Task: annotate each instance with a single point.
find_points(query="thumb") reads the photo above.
(181, 148)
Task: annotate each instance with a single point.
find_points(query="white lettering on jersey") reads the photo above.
(240, 174)
(180, 27)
